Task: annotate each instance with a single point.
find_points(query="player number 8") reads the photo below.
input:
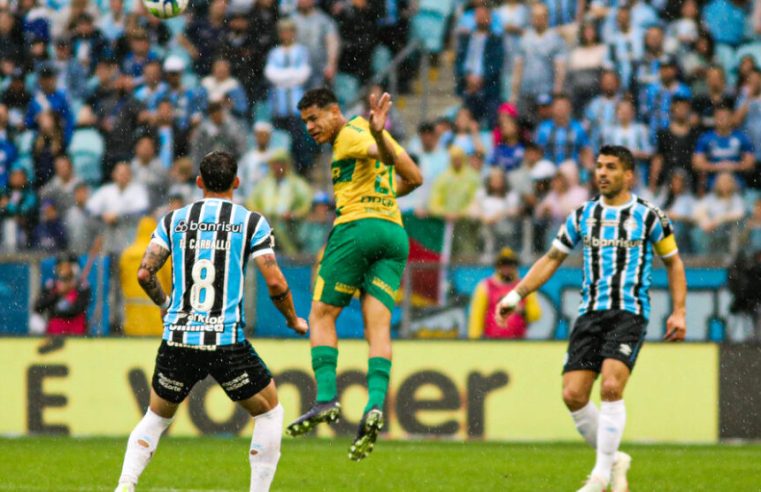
(203, 274)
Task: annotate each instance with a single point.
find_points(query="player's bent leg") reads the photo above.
(377, 318)
(264, 451)
(612, 419)
(322, 335)
(577, 386)
(144, 440)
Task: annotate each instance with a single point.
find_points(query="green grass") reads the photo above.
(63, 464)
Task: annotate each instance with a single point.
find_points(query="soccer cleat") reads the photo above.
(367, 434)
(125, 487)
(618, 481)
(594, 484)
(320, 412)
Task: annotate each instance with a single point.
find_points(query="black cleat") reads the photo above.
(367, 434)
(320, 412)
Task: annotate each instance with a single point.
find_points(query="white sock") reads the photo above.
(610, 428)
(585, 419)
(265, 448)
(141, 446)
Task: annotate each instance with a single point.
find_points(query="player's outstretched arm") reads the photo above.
(409, 174)
(544, 268)
(154, 258)
(676, 325)
(280, 293)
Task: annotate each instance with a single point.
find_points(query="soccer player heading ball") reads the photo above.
(366, 253)
(619, 232)
(210, 242)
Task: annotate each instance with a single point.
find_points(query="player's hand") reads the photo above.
(300, 326)
(505, 307)
(379, 108)
(676, 328)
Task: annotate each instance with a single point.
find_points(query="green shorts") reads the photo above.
(367, 255)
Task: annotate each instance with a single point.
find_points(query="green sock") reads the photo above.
(324, 362)
(378, 372)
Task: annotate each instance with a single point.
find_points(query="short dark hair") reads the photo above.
(322, 98)
(623, 154)
(218, 171)
(426, 127)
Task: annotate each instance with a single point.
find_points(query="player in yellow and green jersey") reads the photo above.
(366, 253)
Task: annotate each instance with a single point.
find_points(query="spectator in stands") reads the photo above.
(674, 145)
(452, 197)
(466, 133)
(187, 103)
(119, 205)
(632, 135)
(88, 44)
(478, 68)
(313, 231)
(141, 316)
(8, 152)
(540, 65)
(60, 189)
(564, 138)
(717, 216)
(183, 181)
(520, 181)
(658, 96)
(49, 98)
(498, 210)
(288, 70)
(238, 50)
(509, 149)
(486, 296)
(283, 197)
(204, 37)
(153, 88)
(112, 22)
(50, 233)
(47, 144)
(748, 111)
(432, 159)
(64, 300)
(139, 54)
(11, 37)
(717, 94)
(87, 148)
(148, 170)
(359, 35)
(81, 228)
(253, 166)
(16, 98)
(220, 85)
(171, 138)
(695, 62)
(264, 16)
(118, 119)
(648, 67)
(686, 28)
(319, 33)
(219, 131)
(723, 149)
(65, 18)
(394, 121)
(600, 113)
(679, 204)
(72, 76)
(565, 196)
(542, 174)
(18, 210)
(585, 64)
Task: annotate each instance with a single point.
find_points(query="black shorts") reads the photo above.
(601, 335)
(237, 368)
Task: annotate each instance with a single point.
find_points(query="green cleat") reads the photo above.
(369, 427)
(321, 412)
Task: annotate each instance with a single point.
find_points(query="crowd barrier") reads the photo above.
(447, 389)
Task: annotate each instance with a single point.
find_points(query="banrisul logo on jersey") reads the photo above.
(183, 226)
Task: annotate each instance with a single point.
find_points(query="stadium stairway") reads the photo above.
(441, 95)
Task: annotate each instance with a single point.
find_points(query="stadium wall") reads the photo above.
(439, 389)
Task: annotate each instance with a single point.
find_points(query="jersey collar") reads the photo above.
(618, 207)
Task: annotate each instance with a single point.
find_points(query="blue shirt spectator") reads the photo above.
(562, 138)
(287, 70)
(625, 48)
(204, 37)
(563, 11)
(48, 97)
(600, 113)
(748, 111)
(723, 149)
(658, 96)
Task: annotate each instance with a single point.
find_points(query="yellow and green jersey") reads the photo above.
(364, 187)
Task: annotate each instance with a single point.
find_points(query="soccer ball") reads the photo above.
(165, 9)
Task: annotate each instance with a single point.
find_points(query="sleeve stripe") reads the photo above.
(160, 242)
(263, 251)
(669, 255)
(560, 246)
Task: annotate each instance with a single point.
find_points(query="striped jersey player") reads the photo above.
(210, 242)
(620, 234)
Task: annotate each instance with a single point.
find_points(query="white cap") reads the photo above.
(543, 169)
(174, 64)
(263, 126)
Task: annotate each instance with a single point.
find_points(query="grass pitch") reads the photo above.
(215, 464)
